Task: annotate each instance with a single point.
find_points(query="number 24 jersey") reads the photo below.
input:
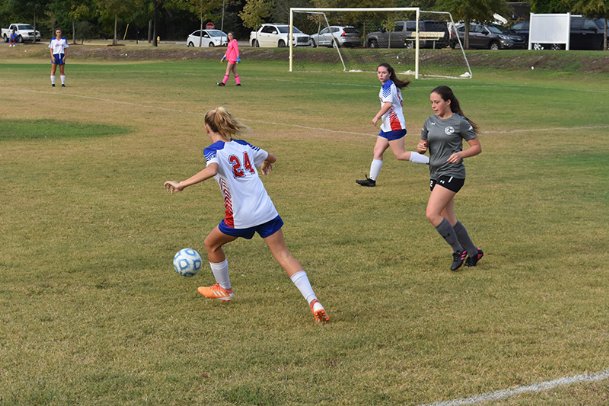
(246, 202)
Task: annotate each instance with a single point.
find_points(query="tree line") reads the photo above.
(175, 19)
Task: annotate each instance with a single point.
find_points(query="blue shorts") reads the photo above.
(58, 59)
(393, 135)
(264, 230)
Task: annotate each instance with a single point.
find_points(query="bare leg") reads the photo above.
(282, 255)
(397, 146)
(441, 206)
(213, 244)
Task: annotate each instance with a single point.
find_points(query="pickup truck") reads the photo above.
(25, 32)
(276, 35)
(432, 34)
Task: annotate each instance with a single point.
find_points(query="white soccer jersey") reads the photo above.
(58, 45)
(246, 202)
(392, 120)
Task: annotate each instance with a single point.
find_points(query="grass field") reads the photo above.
(92, 312)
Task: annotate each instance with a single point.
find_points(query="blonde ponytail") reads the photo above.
(222, 122)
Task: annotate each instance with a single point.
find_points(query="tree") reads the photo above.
(550, 6)
(472, 10)
(113, 10)
(255, 11)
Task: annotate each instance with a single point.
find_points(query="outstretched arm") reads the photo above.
(209, 172)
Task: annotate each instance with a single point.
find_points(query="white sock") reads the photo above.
(220, 271)
(63, 79)
(417, 158)
(52, 79)
(304, 286)
(375, 168)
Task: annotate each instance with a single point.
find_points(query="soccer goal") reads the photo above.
(413, 41)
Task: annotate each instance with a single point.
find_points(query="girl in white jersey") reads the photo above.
(248, 207)
(393, 125)
(57, 48)
(442, 135)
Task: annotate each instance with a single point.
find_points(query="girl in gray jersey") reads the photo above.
(442, 136)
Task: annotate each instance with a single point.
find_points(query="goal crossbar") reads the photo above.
(416, 35)
(293, 10)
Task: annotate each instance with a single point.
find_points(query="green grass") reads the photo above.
(35, 129)
(92, 312)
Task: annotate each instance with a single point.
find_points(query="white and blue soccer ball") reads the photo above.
(187, 262)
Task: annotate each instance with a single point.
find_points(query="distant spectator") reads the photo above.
(13, 38)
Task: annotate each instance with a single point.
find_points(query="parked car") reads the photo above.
(601, 23)
(276, 35)
(25, 32)
(487, 36)
(207, 38)
(584, 34)
(341, 35)
(432, 34)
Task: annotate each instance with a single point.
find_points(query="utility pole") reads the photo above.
(222, 21)
(154, 32)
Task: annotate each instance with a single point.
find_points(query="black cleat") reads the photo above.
(238, 84)
(220, 84)
(458, 259)
(62, 85)
(472, 261)
(366, 182)
(52, 84)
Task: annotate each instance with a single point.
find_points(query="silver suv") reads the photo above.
(341, 35)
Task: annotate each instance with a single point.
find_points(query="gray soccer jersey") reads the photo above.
(444, 137)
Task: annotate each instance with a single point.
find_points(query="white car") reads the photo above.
(25, 32)
(276, 35)
(207, 38)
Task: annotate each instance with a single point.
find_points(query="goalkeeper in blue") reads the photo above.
(393, 125)
(248, 208)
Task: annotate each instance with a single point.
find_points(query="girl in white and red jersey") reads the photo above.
(232, 57)
(248, 207)
(57, 48)
(393, 125)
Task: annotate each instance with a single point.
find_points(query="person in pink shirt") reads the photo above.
(232, 57)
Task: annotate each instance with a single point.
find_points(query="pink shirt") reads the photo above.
(232, 51)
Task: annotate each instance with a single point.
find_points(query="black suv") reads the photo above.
(585, 34)
(488, 36)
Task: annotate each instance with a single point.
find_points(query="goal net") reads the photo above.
(413, 41)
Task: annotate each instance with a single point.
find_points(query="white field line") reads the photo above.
(321, 129)
(534, 388)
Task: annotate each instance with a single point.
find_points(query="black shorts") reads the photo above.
(449, 182)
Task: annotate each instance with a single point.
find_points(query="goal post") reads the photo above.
(416, 40)
(325, 10)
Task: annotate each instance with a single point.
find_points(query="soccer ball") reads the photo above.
(187, 262)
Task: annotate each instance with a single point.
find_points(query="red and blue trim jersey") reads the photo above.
(58, 45)
(393, 119)
(246, 202)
